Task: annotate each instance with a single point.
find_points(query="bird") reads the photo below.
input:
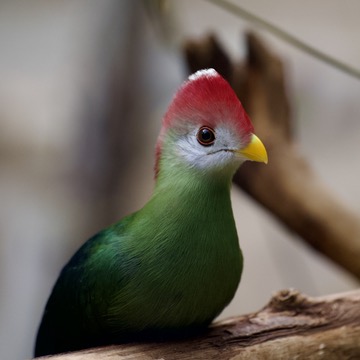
(170, 268)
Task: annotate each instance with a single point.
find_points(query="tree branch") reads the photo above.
(291, 326)
(288, 187)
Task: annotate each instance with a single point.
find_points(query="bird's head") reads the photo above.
(206, 128)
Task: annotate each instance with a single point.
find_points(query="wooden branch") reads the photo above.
(291, 326)
(288, 187)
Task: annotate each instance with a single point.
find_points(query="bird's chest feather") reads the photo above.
(202, 258)
(189, 264)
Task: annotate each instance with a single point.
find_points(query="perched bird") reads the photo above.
(171, 267)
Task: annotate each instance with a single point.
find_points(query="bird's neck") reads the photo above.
(187, 197)
(191, 184)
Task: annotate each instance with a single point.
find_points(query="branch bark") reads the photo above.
(288, 187)
(291, 326)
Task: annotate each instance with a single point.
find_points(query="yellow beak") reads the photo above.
(255, 151)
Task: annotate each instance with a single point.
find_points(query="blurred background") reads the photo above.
(84, 84)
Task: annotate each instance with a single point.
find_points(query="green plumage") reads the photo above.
(172, 266)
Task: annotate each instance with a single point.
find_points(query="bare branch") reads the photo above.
(291, 326)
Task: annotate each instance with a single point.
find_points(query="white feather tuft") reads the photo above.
(205, 72)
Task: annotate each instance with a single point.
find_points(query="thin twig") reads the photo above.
(239, 11)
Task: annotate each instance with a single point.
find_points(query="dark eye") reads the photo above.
(206, 136)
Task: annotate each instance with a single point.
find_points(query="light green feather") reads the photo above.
(172, 266)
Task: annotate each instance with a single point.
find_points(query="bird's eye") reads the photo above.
(206, 136)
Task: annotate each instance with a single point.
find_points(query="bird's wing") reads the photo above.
(77, 307)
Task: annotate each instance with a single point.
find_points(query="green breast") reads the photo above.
(190, 263)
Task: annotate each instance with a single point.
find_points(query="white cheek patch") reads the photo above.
(215, 156)
(189, 149)
(226, 139)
